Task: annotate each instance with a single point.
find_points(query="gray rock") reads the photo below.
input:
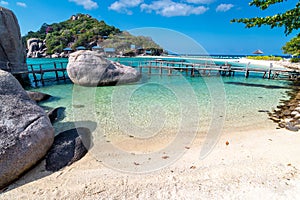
(289, 126)
(68, 147)
(38, 96)
(56, 114)
(36, 48)
(89, 68)
(12, 50)
(26, 133)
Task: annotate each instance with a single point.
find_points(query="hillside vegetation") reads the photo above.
(83, 30)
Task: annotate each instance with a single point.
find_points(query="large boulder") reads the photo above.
(26, 133)
(89, 68)
(12, 50)
(68, 147)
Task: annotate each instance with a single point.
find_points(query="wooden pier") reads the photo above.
(55, 71)
(208, 69)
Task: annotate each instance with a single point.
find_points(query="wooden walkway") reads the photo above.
(55, 71)
(208, 69)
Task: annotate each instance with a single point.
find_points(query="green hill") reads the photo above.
(83, 30)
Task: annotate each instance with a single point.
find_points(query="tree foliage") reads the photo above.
(290, 20)
(293, 46)
(83, 30)
(78, 31)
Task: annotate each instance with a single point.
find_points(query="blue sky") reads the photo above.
(189, 26)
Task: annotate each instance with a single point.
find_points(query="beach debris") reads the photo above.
(68, 147)
(187, 147)
(227, 143)
(136, 163)
(26, 133)
(193, 167)
(165, 157)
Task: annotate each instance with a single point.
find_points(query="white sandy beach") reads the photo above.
(257, 164)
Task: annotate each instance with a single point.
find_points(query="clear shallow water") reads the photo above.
(168, 105)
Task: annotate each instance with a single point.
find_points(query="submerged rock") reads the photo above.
(89, 68)
(38, 96)
(68, 147)
(26, 133)
(56, 114)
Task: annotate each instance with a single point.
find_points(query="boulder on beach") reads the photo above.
(26, 133)
(89, 68)
(12, 50)
(68, 147)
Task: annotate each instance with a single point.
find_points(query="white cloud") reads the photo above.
(224, 7)
(87, 4)
(200, 1)
(5, 3)
(21, 4)
(168, 8)
(123, 5)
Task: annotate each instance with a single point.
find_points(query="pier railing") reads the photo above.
(209, 68)
(39, 73)
(56, 71)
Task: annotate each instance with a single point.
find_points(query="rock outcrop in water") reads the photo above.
(36, 48)
(12, 50)
(26, 133)
(38, 96)
(89, 68)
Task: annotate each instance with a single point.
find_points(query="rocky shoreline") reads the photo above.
(287, 114)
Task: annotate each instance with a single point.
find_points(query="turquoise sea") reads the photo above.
(167, 105)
